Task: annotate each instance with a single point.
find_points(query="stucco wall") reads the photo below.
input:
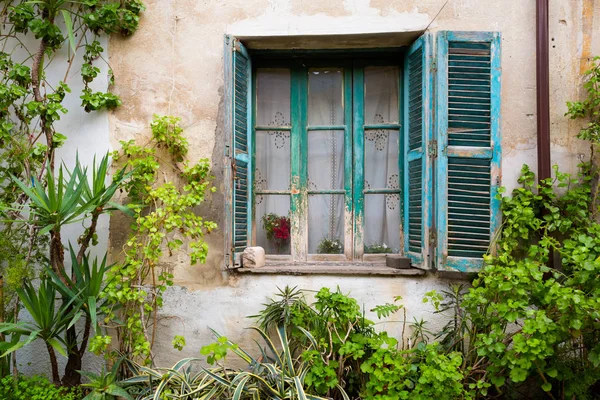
(174, 63)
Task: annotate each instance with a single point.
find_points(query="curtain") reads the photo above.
(325, 160)
(326, 156)
(381, 211)
(272, 154)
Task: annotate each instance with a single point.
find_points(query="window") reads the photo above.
(333, 155)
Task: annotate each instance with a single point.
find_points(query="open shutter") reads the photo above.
(238, 81)
(468, 130)
(417, 158)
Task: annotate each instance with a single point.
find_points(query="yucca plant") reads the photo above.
(85, 285)
(55, 201)
(48, 323)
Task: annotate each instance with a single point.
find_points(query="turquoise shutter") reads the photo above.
(238, 73)
(417, 160)
(468, 130)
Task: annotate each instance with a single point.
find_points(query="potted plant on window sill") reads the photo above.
(277, 229)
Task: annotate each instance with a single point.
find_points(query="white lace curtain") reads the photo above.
(326, 155)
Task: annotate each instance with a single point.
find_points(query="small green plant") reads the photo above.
(105, 386)
(178, 342)
(36, 388)
(330, 246)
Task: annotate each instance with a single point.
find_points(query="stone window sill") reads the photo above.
(331, 268)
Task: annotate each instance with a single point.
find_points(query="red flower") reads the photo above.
(282, 230)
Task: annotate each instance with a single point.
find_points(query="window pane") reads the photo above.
(381, 159)
(381, 95)
(382, 223)
(273, 223)
(325, 97)
(325, 160)
(326, 224)
(273, 97)
(272, 157)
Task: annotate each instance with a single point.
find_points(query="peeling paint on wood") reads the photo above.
(417, 136)
(359, 159)
(455, 127)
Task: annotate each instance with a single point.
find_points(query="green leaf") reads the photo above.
(75, 319)
(518, 374)
(46, 229)
(546, 387)
(92, 310)
(118, 391)
(552, 373)
(69, 26)
(18, 345)
(57, 346)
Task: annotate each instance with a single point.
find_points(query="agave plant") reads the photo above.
(105, 386)
(276, 375)
(180, 381)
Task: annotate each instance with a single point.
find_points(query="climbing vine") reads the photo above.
(164, 218)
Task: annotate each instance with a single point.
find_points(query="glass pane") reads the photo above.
(382, 223)
(273, 223)
(325, 160)
(381, 95)
(381, 159)
(325, 97)
(326, 224)
(272, 156)
(273, 97)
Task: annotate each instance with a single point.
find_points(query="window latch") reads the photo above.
(433, 149)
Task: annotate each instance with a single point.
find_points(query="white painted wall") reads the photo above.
(88, 137)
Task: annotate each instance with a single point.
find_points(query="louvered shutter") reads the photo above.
(417, 161)
(238, 81)
(468, 133)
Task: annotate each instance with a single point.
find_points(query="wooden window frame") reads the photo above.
(434, 149)
(352, 64)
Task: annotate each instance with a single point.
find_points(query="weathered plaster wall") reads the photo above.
(173, 65)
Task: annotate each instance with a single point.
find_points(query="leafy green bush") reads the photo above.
(531, 320)
(35, 388)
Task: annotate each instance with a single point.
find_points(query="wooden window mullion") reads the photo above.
(299, 206)
(348, 162)
(358, 130)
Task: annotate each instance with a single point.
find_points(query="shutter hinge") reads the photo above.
(236, 45)
(433, 148)
(433, 66)
(433, 238)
